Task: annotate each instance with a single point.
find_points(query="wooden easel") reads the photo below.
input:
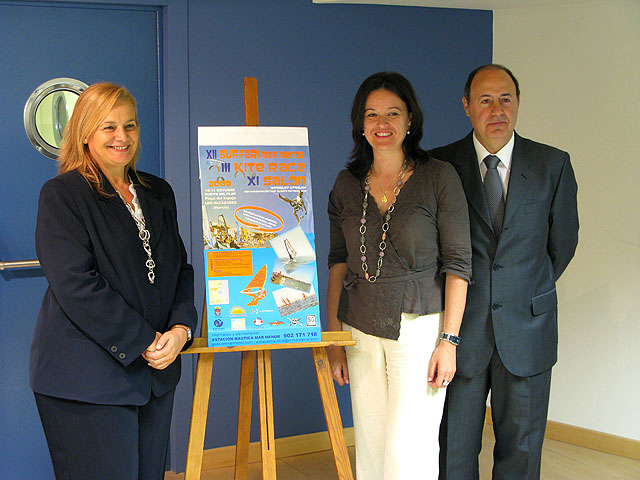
(204, 370)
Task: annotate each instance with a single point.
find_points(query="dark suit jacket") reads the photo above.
(511, 301)
(100, 312)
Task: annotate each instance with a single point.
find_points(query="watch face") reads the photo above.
(450, 338)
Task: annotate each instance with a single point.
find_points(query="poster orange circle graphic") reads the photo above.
(256, 226)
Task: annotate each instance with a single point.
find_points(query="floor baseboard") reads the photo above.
(583, 437)
(318, 442)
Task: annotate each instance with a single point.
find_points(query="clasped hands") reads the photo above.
(165, 348)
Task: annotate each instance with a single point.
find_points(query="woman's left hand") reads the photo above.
(442, 365)
(168, 346)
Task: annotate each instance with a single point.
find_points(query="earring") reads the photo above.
(408, 132)
(84, 141)
(363, 134)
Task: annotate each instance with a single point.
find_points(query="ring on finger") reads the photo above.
(445, 383)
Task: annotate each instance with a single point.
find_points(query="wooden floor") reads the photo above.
(560, 461)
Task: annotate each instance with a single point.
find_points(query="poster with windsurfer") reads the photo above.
(258, 238)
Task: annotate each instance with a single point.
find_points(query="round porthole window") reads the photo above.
(47, 112)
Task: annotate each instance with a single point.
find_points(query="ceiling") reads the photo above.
(468, 4)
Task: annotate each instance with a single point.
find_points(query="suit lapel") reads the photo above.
(467, 166)
(114, 208)
(519, 178)
(151, 209)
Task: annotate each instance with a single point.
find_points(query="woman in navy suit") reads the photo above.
(119, 307)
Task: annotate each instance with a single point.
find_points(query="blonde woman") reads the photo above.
(119, 306)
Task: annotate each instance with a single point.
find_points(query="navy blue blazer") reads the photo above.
(100, 312)
(511, 300)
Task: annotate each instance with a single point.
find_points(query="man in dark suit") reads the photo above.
(524, 231)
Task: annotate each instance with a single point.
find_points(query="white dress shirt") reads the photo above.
(504, 154)
(137, 209)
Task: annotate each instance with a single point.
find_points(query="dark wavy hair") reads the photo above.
(489, 66)
(362, 154)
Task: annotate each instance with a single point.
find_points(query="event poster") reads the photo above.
(259, 246)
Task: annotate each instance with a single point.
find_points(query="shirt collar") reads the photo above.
(504, 154)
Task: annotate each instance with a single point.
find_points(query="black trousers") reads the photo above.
(106, 442)
(519, 408)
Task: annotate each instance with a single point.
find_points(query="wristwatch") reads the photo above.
(450, 338)
(186, 329)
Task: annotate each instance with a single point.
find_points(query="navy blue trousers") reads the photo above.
(519, 408)
(107, 442)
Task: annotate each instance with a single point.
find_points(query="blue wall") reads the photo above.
(309, 60)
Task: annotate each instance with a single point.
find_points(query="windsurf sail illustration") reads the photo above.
(255, 288)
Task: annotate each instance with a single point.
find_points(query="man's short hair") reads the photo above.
(489, 66)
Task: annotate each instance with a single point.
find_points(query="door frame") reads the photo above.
(176, 149)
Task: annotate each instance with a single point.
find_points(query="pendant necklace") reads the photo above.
(144, 235)
(384, 198)
(385, 226)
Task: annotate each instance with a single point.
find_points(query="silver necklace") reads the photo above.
(144, 235)
(385, 226)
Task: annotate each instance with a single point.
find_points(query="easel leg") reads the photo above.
(247, 370)
(265, 397)
(332, 413)
(199, 411)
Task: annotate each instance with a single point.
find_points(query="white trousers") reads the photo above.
(396, 415)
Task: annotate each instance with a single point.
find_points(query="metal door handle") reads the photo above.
(19, 264)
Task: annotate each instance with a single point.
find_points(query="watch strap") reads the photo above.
(450, 338)
(186, 329)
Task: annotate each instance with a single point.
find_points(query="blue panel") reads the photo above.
(89, 44)
(309, 60)
(40, 42)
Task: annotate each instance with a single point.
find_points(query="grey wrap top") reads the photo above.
(428, 236)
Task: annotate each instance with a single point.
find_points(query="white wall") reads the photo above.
(579, 73)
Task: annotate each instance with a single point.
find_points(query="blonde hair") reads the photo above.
(92, 107)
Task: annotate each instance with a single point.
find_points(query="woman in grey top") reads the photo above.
(399, 263)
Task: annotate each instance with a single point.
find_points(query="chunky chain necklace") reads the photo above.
(385, 226)
(144, 235)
